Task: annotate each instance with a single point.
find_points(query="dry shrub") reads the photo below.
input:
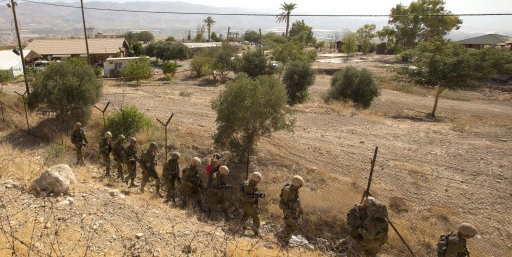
(22, 166)
(257, 249)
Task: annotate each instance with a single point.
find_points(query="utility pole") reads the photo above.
(85, 32)
(12, 5)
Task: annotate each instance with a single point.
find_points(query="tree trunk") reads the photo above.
(248, 161)
(209, 27)
(438, 94)
(287, 24)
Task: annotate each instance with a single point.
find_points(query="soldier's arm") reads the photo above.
(85, 138)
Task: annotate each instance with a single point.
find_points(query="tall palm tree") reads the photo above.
(285, 15)
(208, 22)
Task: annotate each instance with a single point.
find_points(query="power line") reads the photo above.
(265, 14)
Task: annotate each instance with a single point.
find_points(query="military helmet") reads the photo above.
(78, 124)
(196, 161)
(153, 145)
(297, 181)
(108, 134)
(175, 155)
(224, 170)
(256, 177)
(121, 137)
(467, 229)
(367, 200)
(133, 139)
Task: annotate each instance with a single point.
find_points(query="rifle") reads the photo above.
(367, 191)
(223, 187)
(257, 195)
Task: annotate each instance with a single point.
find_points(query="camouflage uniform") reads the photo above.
(131, 158)
(249, 203)
(292, 211)
(79, 140)
(191, 185)
(170, 175)
(455, 246)
(105, 150)
(369, 227)
(149, 163)
(118, 153)
(356, 219)
(217, 194)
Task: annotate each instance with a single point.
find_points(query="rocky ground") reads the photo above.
(452, 170)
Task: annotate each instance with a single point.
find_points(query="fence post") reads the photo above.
(367, 191)
(165, 126)
(25, 108)
(103, 112)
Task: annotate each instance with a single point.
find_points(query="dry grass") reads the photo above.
(412, 89)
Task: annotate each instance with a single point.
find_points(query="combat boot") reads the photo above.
(158, 192)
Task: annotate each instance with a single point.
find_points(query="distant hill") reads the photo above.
(43, 20)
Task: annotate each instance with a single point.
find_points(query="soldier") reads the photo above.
(170, 175)
(291, 207)
(454, 244)
(149, 162)
(105, 150)
(373, 233)
(249, 196)
(191, 183)
(213, 167)
(217, 192)
(118, 153)
(131, 158)
(79, 140)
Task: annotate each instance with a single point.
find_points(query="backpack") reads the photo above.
(282, 204)
(442, 245)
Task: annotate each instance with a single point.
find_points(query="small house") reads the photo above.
(11, 62)
(99, 48)
(489, 40)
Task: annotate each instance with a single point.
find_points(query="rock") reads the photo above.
(300, 241)
(139, 235)
(56, 180)
(398, 204)
(113, 192)
(504, 140)
(11, 184)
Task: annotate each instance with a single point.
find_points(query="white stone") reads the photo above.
(56, 180)
(139, 235)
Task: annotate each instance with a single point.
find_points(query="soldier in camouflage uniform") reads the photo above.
(118, 153)
(171, 175)
(454, 244)
(79, 140)
(373, 233)
(217, 192)
(105, 150)
(149, 163)
(249, 196)
(131, 158)
(191, 183)
(291, 207)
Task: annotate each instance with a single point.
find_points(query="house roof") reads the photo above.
(203, 45)
(76, 46)
(126, 58)
(9, 60)
(489, 39)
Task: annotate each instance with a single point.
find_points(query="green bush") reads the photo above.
(299, 76)
(352, 84)
(98, 71)
(137, 69)
(169, 68)
(201, 63)
(254, 64)
(68, 88)
(128, 121)
(185, 93)
(5, 76)
(250, 109)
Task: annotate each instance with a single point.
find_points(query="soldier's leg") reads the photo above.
(79, 157)
(225, 208)
(145, 178)
(106, 160)
(120, 174)
(157, 183)
(171, 190)
(245, 215)
(132, 167)
(255, 220)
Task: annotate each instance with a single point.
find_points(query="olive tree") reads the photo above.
(69, 88)
(442, 65)
(137, 69)
(349, 44)
(299, 76)
(247, 110)
(5, 76)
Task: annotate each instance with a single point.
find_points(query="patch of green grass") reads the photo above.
(185, 93)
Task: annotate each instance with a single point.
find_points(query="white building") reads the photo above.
(11, 61)
(112, 66)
